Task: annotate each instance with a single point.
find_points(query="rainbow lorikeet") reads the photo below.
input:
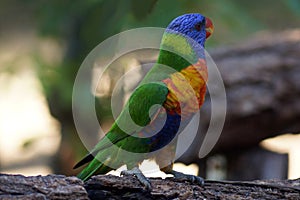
(180, 93)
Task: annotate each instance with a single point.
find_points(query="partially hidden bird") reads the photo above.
(159, 108)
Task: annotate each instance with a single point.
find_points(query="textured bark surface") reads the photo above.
(41, 187)
(113, 187)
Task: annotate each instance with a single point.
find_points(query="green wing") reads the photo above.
(138, 111)
(132, 119)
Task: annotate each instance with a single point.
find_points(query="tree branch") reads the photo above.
(128, 187)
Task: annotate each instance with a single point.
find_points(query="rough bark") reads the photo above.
(41, 187)
(113, 187)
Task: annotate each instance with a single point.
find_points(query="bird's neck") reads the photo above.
(179, 52)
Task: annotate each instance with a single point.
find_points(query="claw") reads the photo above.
(139, 175)
(191, 178)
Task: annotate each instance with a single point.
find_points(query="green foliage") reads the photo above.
(294, 6)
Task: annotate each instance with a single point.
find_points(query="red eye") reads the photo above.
(198, 26)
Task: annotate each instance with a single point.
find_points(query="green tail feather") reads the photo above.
(95, 167)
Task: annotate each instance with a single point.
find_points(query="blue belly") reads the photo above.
(166, 134)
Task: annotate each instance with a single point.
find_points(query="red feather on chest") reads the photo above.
(187, 89)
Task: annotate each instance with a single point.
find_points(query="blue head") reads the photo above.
(194, 26)
(183, 41)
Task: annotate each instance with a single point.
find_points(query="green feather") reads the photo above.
(138, 106)
(137, 109)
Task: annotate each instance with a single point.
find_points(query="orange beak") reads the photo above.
(209, 27)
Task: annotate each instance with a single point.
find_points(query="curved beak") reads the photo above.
(209, 27)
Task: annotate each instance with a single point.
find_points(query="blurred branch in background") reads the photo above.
(59, 34)
(262, 89)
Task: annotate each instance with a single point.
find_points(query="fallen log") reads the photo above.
(128, 187)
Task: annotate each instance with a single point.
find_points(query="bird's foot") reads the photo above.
(187, 177)
(139, 175)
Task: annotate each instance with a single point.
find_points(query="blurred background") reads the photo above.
(43, 43)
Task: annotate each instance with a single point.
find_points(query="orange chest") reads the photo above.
(187, 89)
